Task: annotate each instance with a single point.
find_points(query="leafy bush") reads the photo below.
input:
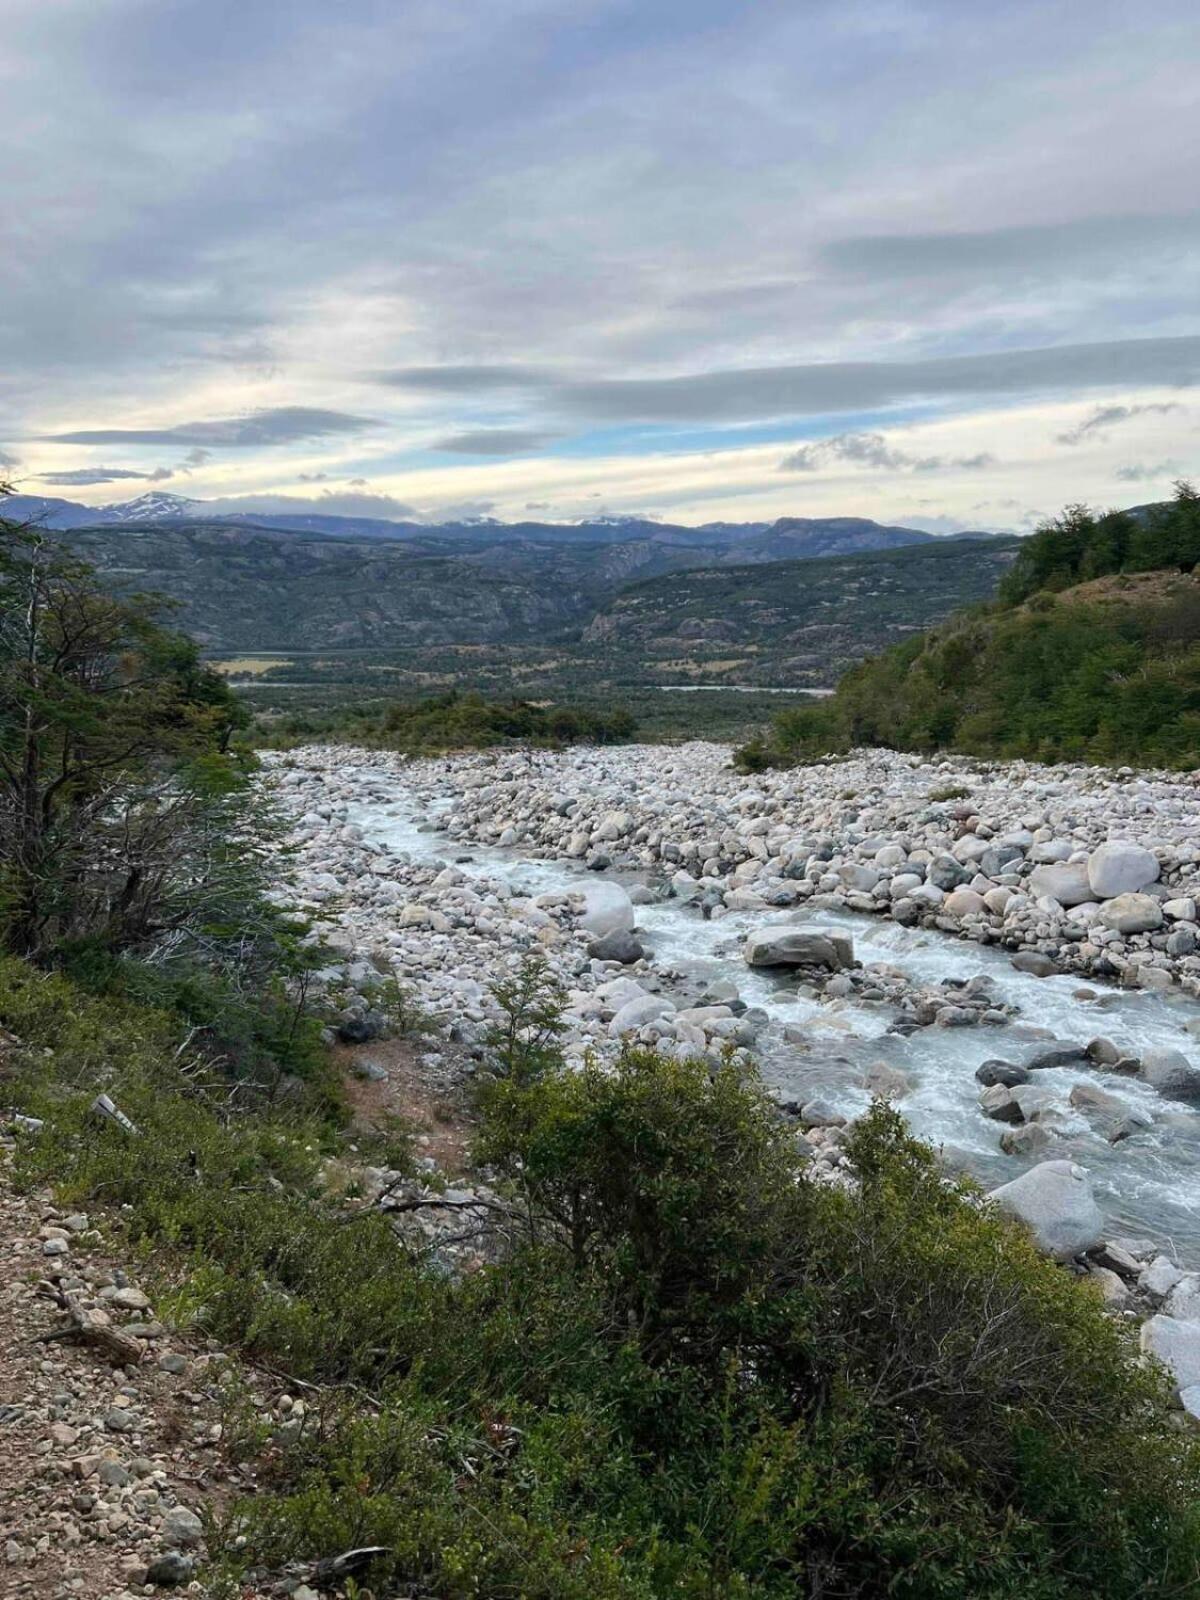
(698, 1374)
(458, 721)
(1109, 677)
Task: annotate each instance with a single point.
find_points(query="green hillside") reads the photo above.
(1092, 652)
(803, 622)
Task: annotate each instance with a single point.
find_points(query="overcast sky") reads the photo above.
(700, 259)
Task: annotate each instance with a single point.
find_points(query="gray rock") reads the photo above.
(1026, 1139)
(1087, 1097)
(170, 1571)
(617, 946)
(1035, 963)
(1066, 882)
(637, 1013)
(1131, 913)
(794, 947)
(1055, 1202)
(1120, 868)
(1177, 1345)
(885, 1082)
(999, 1104)
(964, 902)
(1059, 1055)
(1171, 1073)
(1006, 1073)
(607, 909)
(944, 872)
(820, 1114)
(1103, 1052)
(1113, 1289)
(181, 1526)
(1159, 1277)
(1184, 1299)
(997, 857)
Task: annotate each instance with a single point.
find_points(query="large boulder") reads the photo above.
(1035, 963)
(637, 1013)
(1176, 1343)
(1131, 913)
(945, 873)
(617, 946)
(1120, 868)
(964, 903)
(796, 947)
(1064, 881)
(607, 909)
(1054, 1200)
(1005, 1073)
(1171, 1073)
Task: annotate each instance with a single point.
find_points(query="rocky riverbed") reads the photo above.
(1009, 952)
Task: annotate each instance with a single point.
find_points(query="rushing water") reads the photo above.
(1149, 1184)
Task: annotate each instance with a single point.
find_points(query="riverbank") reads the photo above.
(447, 874)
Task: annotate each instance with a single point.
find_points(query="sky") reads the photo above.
(699, 260)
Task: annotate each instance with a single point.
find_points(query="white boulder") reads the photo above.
(1066, 882)
(1120, 868)
(1131, 913)
(607, 909)
(1176, 1343)
(1171, 1073)
(1055, 1202)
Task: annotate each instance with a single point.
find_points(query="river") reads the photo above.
(1149, 1184)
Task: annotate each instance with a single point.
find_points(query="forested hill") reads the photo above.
(812, 619)
(1091, 652)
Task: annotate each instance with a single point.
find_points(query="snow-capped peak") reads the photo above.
(154, 506)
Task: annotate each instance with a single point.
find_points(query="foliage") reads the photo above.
(454, 721)
(461, 721)
(1079, 545)
(700, 1375)
(117, 786)
(1109, 674)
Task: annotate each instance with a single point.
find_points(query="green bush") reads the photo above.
(458, 721)
(696, 1374)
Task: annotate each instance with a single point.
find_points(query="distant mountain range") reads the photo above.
(767, 541)
(268, 582)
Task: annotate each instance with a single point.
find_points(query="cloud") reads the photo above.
(468, 379)
(347, 502)
(1144, 472)
(1103, 418)
(80, 477)
(313, 477)
(258, 430)
(195, 458)
(760, 393)
(873, 450)
(1086, 243)
(496, 441)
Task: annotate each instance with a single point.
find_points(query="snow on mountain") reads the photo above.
(153, 506)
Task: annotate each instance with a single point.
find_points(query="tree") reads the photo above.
(116, 779)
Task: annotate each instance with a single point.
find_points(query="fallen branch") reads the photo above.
(93, 1327)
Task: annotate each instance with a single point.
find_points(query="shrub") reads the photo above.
(697, 1374)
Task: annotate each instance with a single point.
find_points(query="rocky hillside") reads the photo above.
(1106, 669)
(806, 616)
(243, 587)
